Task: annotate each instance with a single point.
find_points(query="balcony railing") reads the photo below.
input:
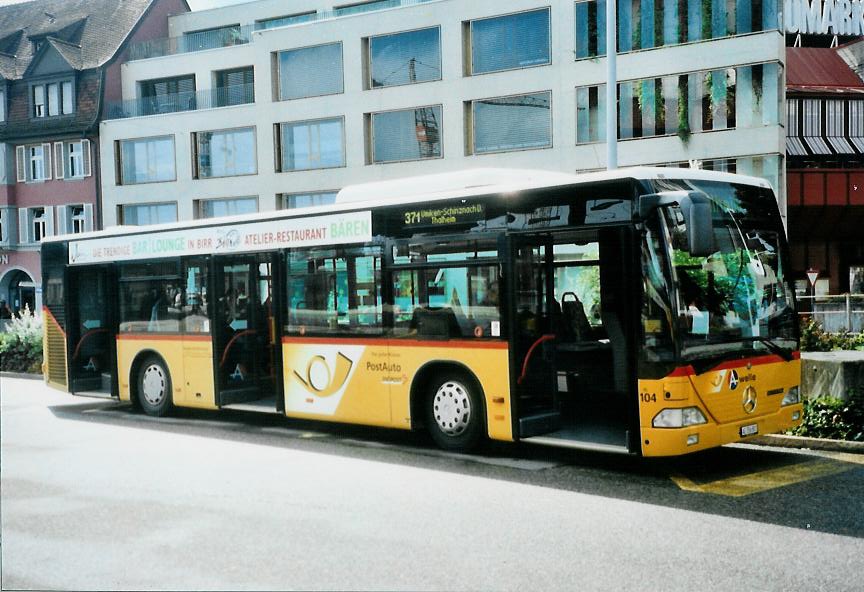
(237, 35)
(224, 37)
(226, 96)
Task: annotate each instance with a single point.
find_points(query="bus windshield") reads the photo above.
(735, 299)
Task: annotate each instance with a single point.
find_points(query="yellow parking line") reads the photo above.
(765, 480)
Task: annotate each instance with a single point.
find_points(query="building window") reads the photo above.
(281, 21)
(37, 167)
(409, 134)
(53, 99)
(144, 214)
(168, 95)
(291, 201)
(146, 160)
(748, 96)
(38, 224)
(658, 23)
(225, 153)
(520, 122)
(404, 58)
(33, 163)
(310, 71)
(72, 159)
(2, 105)
(37, 163)
(77, 219)
(214, 208)
(4, 224)
(235, 87)
(508, 42)
(39, 100)
(318, 144)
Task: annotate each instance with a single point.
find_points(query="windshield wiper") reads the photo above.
(781, 351)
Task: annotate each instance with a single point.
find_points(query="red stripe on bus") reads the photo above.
(396, 341)
(757, 361)
(161, 337)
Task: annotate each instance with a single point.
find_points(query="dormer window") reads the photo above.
(53, 98)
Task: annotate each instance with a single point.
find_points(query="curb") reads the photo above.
(784, 441)
(21, 375)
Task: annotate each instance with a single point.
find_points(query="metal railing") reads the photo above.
(836, 313)
(189, 42)
(211, 98)
(240, 35)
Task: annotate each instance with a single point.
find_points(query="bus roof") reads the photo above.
(427, 188)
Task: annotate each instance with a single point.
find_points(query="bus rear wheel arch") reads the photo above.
(450, 401)
(152, 380)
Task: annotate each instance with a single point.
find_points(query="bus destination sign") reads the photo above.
(424, 216)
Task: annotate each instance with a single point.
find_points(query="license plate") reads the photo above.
(749, 430)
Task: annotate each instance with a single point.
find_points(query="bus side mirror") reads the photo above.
(700, 227)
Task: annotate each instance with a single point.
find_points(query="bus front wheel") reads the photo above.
(454, 413)
(154, 387)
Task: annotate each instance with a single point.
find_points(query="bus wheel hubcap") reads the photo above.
(153, 385)
(452, 408)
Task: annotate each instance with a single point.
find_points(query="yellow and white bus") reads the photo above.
(643, 311)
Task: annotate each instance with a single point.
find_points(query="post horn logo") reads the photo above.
(319, 380)
(748, 400)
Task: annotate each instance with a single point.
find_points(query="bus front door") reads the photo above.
(245, 338)
(571, 322)
(91, 352)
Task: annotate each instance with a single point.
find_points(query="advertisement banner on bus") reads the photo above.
(349, 227)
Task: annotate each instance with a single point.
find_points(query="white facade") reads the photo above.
(453, 93)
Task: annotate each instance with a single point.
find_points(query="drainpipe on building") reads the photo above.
(611, 86)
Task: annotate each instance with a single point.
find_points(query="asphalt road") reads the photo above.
(98, 496)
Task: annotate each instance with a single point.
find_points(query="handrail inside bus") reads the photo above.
(84, 337)
(231, 342)
(541, 339)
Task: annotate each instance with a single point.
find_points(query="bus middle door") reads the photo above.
(245, 340)
(532, 321)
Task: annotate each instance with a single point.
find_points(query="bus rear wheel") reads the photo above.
(154, 387)
(454, 413)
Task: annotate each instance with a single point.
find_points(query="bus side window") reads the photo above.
(334, 291)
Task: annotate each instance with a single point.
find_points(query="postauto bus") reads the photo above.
(643, 311)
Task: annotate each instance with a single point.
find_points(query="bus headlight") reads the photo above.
(678, 418)
(792, 397)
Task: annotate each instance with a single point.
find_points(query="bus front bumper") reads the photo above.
(676, 441)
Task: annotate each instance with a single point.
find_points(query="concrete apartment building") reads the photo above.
(59, 64)
(275, 104)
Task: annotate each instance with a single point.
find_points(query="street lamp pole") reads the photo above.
(611, 87)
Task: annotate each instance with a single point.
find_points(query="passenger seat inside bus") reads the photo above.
(576, 325)
(435, 323)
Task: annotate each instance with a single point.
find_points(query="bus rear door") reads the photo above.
(92, 355)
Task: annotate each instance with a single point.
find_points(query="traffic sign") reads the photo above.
(812, 274)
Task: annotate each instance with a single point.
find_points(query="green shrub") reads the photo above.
(21, 343)
(815, 339)
(828, 417)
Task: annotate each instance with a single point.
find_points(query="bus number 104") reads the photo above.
(648, 397)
